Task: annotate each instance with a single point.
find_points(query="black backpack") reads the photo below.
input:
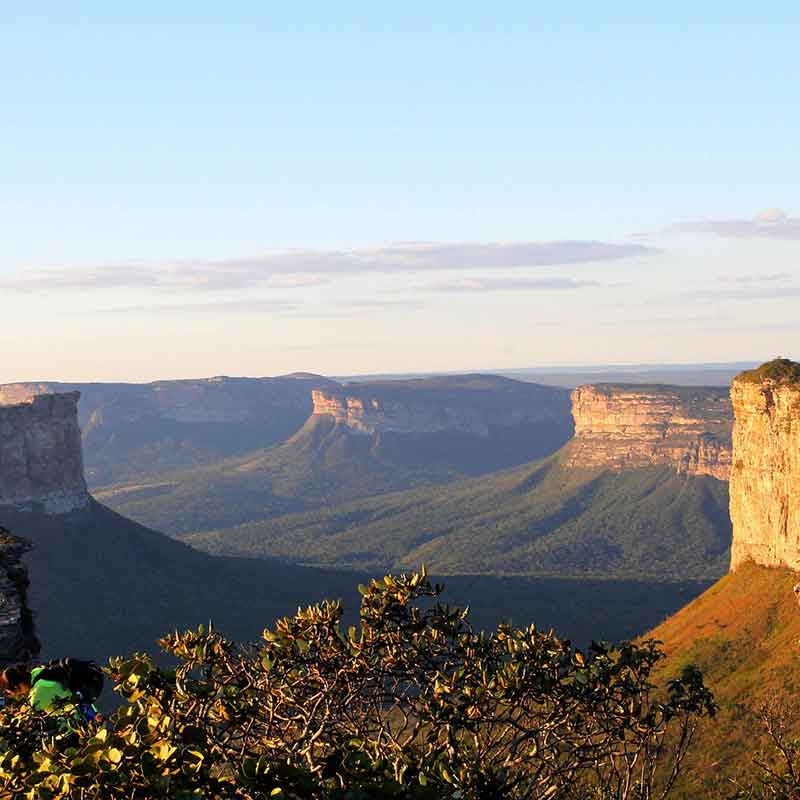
(83, 678)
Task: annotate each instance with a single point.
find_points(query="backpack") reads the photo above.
(83, 678)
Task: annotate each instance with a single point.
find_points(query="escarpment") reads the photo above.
(629, 427)
(475, 405)
(18, 640)
(765, 478)
(41, 462)
(137, 431)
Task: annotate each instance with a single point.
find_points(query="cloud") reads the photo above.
(507, 284)
(772, 277)
(303, 268)
(773, 223)
(235, 306)
(349, 309)
(749, 294)
(665, 320)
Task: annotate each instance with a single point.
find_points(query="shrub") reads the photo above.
(411, 704)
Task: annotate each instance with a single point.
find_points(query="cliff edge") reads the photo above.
(628, 427)
(17, 638)
(475, 405)
(765, 479)
(41, 462)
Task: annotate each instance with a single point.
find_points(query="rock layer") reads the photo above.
(628, 427)
(475, 405)
(765, 479)
(40, 454)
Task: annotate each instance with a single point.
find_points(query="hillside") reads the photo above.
(744, 634)
(546, 519)
(103, 585)
(361, 441)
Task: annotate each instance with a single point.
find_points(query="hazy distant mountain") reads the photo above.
(360, 441)
(135, 431)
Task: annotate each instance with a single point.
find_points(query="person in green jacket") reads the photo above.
(64, 688)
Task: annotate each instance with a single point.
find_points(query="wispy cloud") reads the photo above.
(303, 268)
(678, 319)
(507, 284)
(349, 309)
(222, 307)
(774, 223)
(745, 295)
(746, 280)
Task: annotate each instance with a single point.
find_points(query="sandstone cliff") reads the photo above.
(765, 479)
(629, 426)
(17, 638)
(473, 404)
(40, 454)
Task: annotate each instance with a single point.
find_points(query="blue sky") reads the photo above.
(205, 189)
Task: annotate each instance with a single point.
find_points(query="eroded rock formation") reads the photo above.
(474, 405)
(765, 478)
(17, 637)
(40, 454)
(628, 426)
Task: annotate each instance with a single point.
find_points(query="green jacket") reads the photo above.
(45, 693)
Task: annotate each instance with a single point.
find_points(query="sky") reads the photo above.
(194, 189)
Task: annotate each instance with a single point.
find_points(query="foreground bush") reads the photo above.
(411, 704)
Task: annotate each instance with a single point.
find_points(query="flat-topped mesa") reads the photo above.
(628, 427)
(41, 463)
(474, 405)
(765, 478)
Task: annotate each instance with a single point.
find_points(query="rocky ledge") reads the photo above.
(475, 405)
(628, 427)
(41, 462)
(765, 478)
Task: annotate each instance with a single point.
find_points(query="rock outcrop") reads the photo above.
(765, 478)
(41, 463)
(629, 426)
(475, 405)
(17, 637)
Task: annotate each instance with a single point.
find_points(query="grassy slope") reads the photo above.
(323, 464)
(540, 519)
(103, 585)
(744, 633)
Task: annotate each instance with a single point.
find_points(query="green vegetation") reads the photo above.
(325, 464)
(779, 370)
(542, 519)
(411, 704)
(102, 584)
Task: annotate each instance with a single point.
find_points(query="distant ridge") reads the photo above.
(360, 441)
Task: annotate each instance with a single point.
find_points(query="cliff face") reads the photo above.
(17, 638)
(40, 454)
(137, 431)
(473, 405)
(626, 427)
(765, 479)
